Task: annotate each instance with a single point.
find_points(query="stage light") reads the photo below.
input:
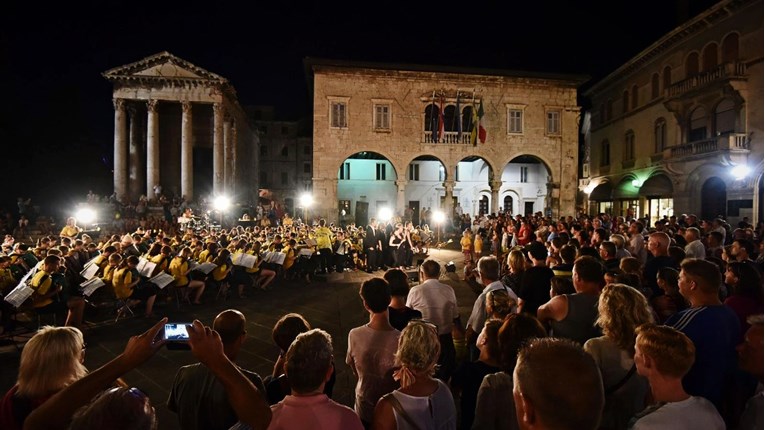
(384, 214)
(306, 200)
(740, 171)
(86, 216)
(221, 203)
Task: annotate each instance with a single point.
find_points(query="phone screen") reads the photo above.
(176, 332)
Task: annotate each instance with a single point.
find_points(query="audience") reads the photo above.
(399, 314)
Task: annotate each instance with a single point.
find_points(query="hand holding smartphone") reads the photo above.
(176, 335)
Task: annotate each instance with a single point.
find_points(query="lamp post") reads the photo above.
(438, 217)
(306, 200)
(220, 204)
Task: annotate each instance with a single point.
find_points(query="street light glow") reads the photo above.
(439, 217)
(86, 215)
(306, 200)
(384, 214)
(740, 171)
(221, 203)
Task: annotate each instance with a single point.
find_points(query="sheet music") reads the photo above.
(89, 287)
(275, 257)
(205, 268)
(162, 280)
(90, 270)
(246, 260)
(21, 292)
(306, 252)
(145, 268)
(310, 242)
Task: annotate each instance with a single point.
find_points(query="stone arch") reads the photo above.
(729, 47)
(421, 156)
(691, 64)
(364, 184)
(710, 57)
(516, 200)
(534, 185)
(382, 152)
(554, 175)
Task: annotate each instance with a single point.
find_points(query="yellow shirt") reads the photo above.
(323, 237)
(178, 268)
(478, 245)
(255, 268)
(289, 260)
(466, 243)
(161, 261)
(6, 279)
(121, 281)
(219, 273)
(41, 283)
(108, 274)
(69, 231)
(204, 256)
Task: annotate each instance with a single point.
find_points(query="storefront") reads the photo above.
(600, 199)
(626, 199)
(658, 191)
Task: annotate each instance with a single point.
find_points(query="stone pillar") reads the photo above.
(234, 146)
(325, 199)
(449, 201)
(227, 153)
(495, 186)
(401, 197)
(217, 149)
(187, 152)
(152, 148)
(120, 150)
(135, 178)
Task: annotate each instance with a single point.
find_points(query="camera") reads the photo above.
(177, 336)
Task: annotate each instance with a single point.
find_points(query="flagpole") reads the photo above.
(433, 118)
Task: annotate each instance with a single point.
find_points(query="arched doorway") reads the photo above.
(424, 187)
(528, 177)
(507, 204)
(713, 198)
(365, 188)
(472, 177)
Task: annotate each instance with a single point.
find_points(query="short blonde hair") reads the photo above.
(418, 347)
(671, 350)
(516, 261)
(621, 309)
(50, 361)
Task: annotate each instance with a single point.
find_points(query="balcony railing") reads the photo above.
(449, 137)
(721, 72)
(728, 142)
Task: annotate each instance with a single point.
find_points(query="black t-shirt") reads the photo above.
(652, 268)
(399, 318)
(535, 288)
(468, 377)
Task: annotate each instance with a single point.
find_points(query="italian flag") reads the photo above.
(481, 130)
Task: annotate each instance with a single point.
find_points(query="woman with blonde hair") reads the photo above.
(50, 361)
(516, 262)
(422, 402)
(621, 309)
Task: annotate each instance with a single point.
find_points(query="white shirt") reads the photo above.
(690, 414)
(478, 316)
(437, 303)
(371, 353)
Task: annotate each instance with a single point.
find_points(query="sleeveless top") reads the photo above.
(435, 412)
(579, 324)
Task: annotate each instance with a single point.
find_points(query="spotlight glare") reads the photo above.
(384, 214)
(86, 215)
(740, 171)
(439, 217)
(306, 200)
(221, 203)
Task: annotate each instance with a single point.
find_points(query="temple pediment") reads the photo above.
(163, 66)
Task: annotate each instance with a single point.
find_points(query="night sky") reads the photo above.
(56, 123)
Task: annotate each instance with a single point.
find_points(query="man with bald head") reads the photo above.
(542, 401)
(197, 396)
(658, 247)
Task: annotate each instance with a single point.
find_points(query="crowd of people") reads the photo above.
(580, 323)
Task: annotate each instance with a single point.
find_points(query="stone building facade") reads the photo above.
(180, 127)
(679, 128)
(385, 118)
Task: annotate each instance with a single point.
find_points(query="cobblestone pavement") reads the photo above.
(332, 305)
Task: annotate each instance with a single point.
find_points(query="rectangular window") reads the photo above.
(605, 153)
(345, 171)
(382, 117)
(553, 122)
(380, 171)
(285, 180)
(307, 168)
(524, 174)
(414, 172)
(457, 173)
(515, 121)
(629, 147)
(338, 116)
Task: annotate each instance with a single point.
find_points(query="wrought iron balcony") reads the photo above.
(718, 74)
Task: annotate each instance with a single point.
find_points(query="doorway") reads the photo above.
(528, 208)
(713, 199)
(414, 205)
(362, 213)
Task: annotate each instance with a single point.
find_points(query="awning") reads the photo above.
(601, 193)
(657, 186)
(625, 190)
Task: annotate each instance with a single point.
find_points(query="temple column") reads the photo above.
(234, 153)
(187, 153)
(152, 148)
(495, 186)
(401, 197)
(120, 150)
(135, 184)
(217, 149)
(227, 153)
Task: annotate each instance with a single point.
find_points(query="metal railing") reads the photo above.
(723, 71)
(449, 137)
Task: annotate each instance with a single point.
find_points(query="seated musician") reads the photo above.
(45, 298)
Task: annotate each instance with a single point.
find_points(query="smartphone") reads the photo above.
(177, 336)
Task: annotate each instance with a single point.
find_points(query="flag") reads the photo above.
(458, 116)
(433, 119)
(481, 130)
(474, 125)
(441, 119)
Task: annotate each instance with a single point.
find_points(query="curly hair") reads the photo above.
(418, 347)
(621, 309)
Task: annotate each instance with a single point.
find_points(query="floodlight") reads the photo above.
(740, 171)
(439, 217)
(384, 214)
(86, 215)
(306, 200)
(221, 203)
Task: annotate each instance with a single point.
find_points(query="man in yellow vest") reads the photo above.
(324, 239)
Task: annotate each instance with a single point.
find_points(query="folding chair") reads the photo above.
(123, 309)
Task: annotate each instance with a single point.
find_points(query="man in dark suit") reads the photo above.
(372, 245)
